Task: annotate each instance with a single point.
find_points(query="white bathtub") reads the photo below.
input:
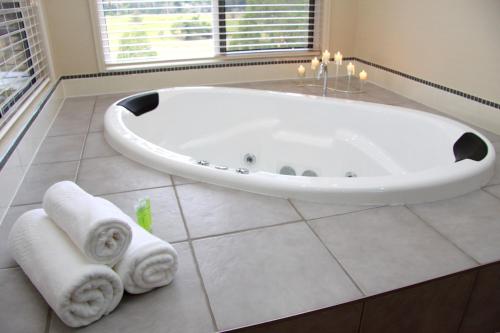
(394, 155)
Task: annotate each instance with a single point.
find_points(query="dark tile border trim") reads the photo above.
(4, 159)
(432, 84)
(175, 68)
(280, 62)
(27, 126)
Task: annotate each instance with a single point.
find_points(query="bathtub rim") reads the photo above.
(460, 179)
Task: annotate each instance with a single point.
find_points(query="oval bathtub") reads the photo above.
(340, 151)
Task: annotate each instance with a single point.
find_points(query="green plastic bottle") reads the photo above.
(143, 214)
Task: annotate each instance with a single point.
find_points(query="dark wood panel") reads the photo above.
(436, 306)
(340, 319)
(483, 311)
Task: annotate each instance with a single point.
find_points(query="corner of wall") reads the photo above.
(343, 16)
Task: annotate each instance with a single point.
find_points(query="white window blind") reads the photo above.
(137, 31)
(266, 25)
(22, 60)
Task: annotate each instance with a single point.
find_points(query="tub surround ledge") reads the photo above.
(291, 266)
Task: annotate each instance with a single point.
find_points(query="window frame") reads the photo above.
(18, 103)
(12, 100)
(320, 36)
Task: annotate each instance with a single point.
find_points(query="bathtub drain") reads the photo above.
(250, 158)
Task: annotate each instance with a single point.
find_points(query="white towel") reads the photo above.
(148, 263)
(96, 226)
(79, 291)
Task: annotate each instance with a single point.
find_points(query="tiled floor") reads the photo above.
(278, 257)
(389, 247)
(211, 210)
(270, 273)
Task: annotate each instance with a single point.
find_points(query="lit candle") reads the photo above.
(301, 71)
(314, 63)
(338, 58)
(363, 75)
(326, 57)
(350, 69)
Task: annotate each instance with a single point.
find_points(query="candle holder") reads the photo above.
(301, 80)
(343, 84)
(337, 65)
(349, 84)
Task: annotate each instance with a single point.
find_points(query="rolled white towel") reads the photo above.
(79, 291)
(97, 227)
(148, 263)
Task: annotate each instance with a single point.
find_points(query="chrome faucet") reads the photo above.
(323, 71)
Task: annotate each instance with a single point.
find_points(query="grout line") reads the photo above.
(358, 286)
(177, 241)
(84, 148)
(489, 193)
(20, 205)
(55, 162)
(134, 190)
(14, 267)
(62, 135)
(48, 320)
(85, 141)
(203, 287)
(193, 183)
(466, 307)
(331, 253)
(363, 304)
(58, 135)
(245, 230)
(181, 211)
(341, 214)
(107, 156)
(195, 259)
(443, 236)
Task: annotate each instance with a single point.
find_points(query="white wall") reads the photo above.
(71, 36)
(455, 43)
(343, 20)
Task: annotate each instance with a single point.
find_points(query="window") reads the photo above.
(22, 59)
(139, 31)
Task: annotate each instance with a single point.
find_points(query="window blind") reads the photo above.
(23, 64)
(266, 25)
(136, 31)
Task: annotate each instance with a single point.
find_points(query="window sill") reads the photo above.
(26, 104)
(222, 59)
